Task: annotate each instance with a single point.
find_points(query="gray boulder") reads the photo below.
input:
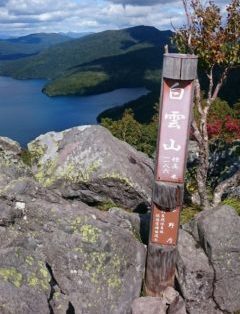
(218, 232)
(193, 153)
(24, 280)
(224, 163)
(138, 223)
(195, 276)
(233, 192)
(10, 148)
(58, 256)
(89, 164)
(11, 164)
(150, 305)
(224, 160)
(170, 303)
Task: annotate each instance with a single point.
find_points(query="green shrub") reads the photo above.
(188, 213)
(26, 157)
(233, 202)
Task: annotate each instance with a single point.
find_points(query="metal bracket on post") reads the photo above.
(179, 73)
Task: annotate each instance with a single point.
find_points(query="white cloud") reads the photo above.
(140, 2)
(18, 17)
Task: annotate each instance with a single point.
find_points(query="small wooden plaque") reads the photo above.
(164, 226)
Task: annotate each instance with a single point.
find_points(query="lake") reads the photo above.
(25, 112)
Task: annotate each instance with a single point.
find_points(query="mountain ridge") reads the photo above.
(28, 45)
(55, 60)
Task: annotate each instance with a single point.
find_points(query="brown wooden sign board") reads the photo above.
(172, 148)
(174, 125)
(179, 72)
(164, 226)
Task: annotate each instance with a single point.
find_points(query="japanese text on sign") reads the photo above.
(174, 129)
(165, 226)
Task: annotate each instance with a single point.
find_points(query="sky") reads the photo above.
(21, 17)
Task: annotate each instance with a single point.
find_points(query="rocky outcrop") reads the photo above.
(58, 256)
(224, 164)
(170, 303)
(219, 233)
(195, 276)
(213, 277)
(224, 160)
(138, 223)
(89, 164)
(11, 165)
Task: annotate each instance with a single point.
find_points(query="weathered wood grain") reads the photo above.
(179, 66)
(168, 196)
(161, 258)
(160, 268)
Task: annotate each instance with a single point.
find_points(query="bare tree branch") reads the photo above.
(220, 83)
(189, 24)
(197, 133)
(210, 89)
(187, 13)
(198, 96)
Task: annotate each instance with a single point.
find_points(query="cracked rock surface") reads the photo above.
(59, 256)
(210, 281)
(169, 303)
(89, 164)
(195, 276)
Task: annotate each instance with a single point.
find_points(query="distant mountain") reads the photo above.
(77, 35)
(97, 62)
(4, 36)
(24, 46)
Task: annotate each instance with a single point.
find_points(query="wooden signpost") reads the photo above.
(179, 73)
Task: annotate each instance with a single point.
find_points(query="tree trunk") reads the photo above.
(202, 171)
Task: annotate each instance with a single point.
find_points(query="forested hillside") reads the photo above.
(98, 62)
(25, 46)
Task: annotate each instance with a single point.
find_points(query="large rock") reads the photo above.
(195, 276)
(218, 232)
(90, 164)
(58, 256)
(224, 159)
(138, 223)
(150, 305)
(11, 164)
(224, 162)
(193, 153)
(170, 303)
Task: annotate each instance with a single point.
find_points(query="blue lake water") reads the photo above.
(25, 112)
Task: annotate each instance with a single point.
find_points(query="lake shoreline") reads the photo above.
(25, 112)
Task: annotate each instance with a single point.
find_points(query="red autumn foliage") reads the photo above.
(214, 128)
(228, 129)
(232, 125)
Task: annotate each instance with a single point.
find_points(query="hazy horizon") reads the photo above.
(71, 34)
(23, 17)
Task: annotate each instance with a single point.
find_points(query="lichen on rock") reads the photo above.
(11, 275)
(66, 161)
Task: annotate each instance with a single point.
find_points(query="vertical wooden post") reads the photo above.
(179, 73)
